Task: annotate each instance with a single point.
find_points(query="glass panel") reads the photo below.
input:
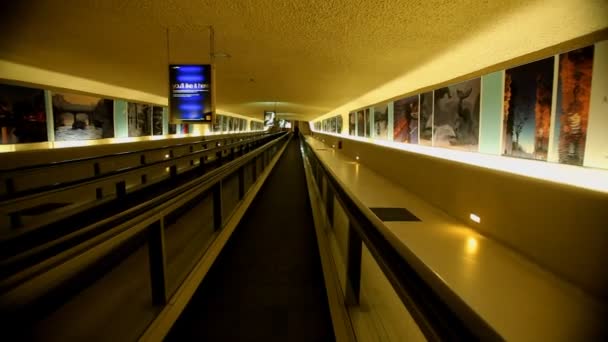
(188, 233)
(116, 306)
(381, 315)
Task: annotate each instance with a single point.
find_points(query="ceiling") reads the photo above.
(304, 57)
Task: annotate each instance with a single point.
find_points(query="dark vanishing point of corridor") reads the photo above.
(267, 283)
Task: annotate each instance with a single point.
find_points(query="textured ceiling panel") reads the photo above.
(308, 56)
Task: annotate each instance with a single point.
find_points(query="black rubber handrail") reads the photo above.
(63, 185)
(440, 314)
(119, 154)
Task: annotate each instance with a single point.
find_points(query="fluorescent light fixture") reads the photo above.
(475, 218)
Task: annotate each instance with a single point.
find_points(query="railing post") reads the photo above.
(156, 251)
(9, 183)
(329, 202)
(15, 220)
(241, 174)
(121, 189)
(353, 267)
(217, 206)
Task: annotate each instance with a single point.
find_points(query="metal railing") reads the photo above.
(9, 176)
(437, 311)
(24, 290)
(95, 188)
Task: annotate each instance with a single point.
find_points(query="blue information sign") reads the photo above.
(190, 95)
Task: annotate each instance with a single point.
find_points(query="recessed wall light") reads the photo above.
(475, 218)
(166, 156)
(357, 157)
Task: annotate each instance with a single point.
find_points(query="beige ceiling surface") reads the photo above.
(307, 56)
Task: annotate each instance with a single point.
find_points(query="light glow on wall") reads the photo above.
(472, 245)
(475, 218)
(582, 177)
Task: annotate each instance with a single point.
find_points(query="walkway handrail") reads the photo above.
(12, 193)
(33, 193)
(203, 139)
(440, 314)
(149, 215)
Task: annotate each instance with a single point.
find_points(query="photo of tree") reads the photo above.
(425, 127)
(368, 122)
(172, 128)
(332, 125)
(139, 119)
(361, 123)
(405, 122)
(456, 115)
(381, 121)
(224, 123)
(217, 123)
(22, 115)
(573, 99)
(352, 123)
(339, 124)
(82, 117)
(157, 120)
(527, 109)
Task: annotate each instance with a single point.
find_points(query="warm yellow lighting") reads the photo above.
(333, 146)
(582, 177)
(472, 245)
(166, 156)
(167, 169)
(475, 218)
(357, 157)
